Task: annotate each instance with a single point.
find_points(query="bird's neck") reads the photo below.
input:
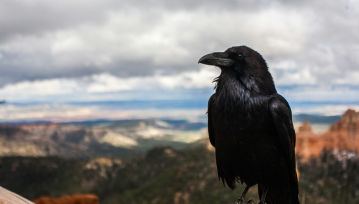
(234, 90)
(231, 90)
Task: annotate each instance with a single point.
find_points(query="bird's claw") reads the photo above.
(241, 201)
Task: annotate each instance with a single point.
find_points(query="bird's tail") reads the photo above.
(284, 192)
(279, 196)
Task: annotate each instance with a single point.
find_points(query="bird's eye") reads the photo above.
(239, 57)
(236, 56)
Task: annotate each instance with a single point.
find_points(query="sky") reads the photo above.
(58, 53)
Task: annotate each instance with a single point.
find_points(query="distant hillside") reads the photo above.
(342, 137)
(130, 137)
(165, 175)
(55, 140)
(121, 162)
(101, 138)
(162, 175)
(315, 118)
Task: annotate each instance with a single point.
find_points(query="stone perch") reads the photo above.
(8, 197)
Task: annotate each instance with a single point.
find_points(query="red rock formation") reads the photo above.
(343, 135)
(73, 199)
(305, 128)
(308, 143)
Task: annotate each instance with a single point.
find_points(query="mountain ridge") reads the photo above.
(342, 136)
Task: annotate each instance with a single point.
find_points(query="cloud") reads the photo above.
(321, 93)
(35, 17)
(69, 113)
(106, 86)
(143, 38)
(122, 50)
(193, 85)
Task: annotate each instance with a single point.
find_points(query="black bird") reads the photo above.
(250, 126)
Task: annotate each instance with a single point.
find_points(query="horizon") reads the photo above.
(175, 109)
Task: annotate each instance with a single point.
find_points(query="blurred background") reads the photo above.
(106, 97)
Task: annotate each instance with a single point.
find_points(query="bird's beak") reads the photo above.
(220, 59)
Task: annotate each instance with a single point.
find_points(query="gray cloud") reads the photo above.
(303, 41)
(23, 17)
(34, 17)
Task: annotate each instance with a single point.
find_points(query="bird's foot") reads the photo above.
(242, 201)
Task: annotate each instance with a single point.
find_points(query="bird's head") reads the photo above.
(243, 64)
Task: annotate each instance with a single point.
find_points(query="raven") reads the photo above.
(250, 126)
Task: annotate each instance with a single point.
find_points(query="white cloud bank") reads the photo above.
(70, 113)
(74, 89)
(122, 50)
(43, 40)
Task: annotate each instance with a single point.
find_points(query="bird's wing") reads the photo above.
(282, 119)
(210, 122)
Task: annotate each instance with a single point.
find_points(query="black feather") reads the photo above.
(250, 126)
